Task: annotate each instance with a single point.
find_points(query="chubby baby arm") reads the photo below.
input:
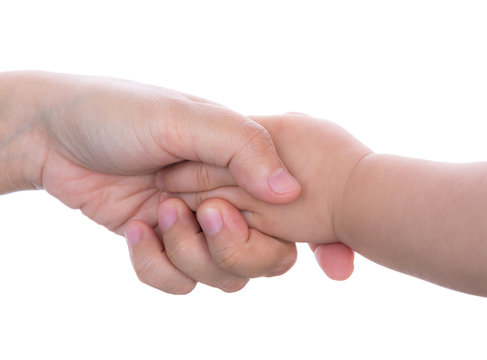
(420, 217)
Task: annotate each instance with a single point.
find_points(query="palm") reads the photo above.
(109, 200)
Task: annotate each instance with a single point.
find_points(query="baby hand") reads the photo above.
(320, 154)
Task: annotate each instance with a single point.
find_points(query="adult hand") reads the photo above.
(96, 143)
(222, 254)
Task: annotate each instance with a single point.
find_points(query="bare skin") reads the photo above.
(419, 217)
(311, 150)
(97, 143)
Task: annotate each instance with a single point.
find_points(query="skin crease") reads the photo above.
(96, 144)
(423, 218)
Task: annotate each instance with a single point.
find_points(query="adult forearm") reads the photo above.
(22, 139)
(423, 218)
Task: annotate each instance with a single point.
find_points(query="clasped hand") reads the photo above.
(104, 146)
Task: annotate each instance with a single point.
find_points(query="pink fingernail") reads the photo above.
(168, 215)
(210, 220)
(133, 234)
(282, 182)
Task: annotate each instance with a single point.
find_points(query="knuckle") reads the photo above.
(145, 270)
(182, 288)
(179, 252)
(256, 141)
(149, 273)
(234, 285)
(228, 259)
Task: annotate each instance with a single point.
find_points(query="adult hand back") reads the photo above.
(96, 143)
(92, 132)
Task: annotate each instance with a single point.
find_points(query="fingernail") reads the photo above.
(133, 235)
(282, 182)
(168, 215)
(210, 220)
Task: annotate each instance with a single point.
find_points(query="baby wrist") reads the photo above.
(341, 220)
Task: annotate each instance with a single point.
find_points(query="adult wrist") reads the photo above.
(23, 144)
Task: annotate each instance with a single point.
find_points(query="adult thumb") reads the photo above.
(216, 135)
(257, 168)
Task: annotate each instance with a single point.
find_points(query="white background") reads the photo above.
(405, 77)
